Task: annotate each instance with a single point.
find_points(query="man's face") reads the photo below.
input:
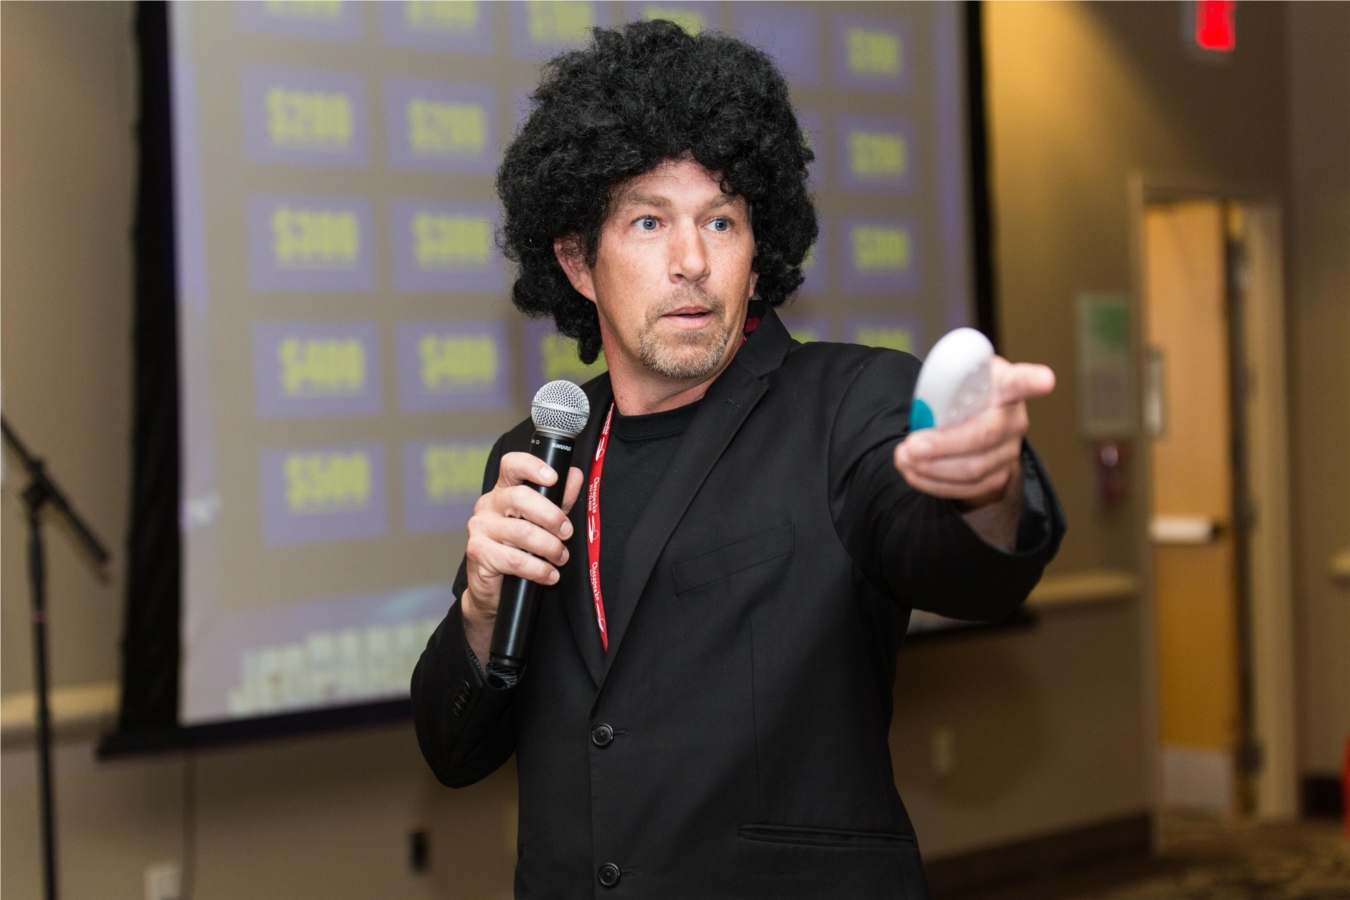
(672, 275)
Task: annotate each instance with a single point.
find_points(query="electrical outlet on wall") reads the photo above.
(162, 881)
(943, 751)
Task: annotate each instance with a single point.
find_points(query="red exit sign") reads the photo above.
(1216, 25)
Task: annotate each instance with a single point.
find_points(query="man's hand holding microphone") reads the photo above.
(514, 531)
(517, 531)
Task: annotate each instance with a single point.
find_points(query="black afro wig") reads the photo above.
(636, 97)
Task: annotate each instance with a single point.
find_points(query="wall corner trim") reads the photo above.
(79, 711)
(1080, 588)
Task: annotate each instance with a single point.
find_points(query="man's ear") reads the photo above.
(573, 262)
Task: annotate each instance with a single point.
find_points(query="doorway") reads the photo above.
(1217, 499)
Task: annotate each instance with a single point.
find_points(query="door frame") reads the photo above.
(1268, 650)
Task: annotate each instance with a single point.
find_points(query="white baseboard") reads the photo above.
(1198, 778)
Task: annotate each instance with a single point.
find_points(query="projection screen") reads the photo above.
(347, 350)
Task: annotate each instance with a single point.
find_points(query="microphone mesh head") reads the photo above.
(561, 408)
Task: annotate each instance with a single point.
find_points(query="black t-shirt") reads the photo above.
(640, 448)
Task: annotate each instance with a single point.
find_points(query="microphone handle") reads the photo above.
(518, 608)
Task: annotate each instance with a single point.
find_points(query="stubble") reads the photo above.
(685, 355)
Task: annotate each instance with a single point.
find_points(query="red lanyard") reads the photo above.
(593, 526)
(593, 508)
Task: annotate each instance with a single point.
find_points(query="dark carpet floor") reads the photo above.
(1205, 859)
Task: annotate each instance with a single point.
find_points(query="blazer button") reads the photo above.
(609, 875)
(603, 736)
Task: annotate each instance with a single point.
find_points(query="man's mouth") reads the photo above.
(689, 316)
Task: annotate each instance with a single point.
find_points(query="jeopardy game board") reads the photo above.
(348, 352)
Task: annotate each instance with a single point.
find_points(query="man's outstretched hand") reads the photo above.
(978, 463)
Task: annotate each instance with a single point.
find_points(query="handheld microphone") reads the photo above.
(560, 411)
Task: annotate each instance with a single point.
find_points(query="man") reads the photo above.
(710, 717)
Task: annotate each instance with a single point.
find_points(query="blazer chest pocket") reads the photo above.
(757, 549)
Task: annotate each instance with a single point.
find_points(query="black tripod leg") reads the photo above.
(38, 575)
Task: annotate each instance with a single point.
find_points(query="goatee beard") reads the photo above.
(685, 355)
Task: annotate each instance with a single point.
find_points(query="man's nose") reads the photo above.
(688, 255)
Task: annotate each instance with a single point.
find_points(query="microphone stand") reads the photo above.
(41, 491)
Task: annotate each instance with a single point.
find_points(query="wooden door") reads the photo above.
(1191, 502)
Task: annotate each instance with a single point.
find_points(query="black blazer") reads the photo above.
(733, 741)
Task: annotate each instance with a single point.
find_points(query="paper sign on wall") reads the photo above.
(1105, 385)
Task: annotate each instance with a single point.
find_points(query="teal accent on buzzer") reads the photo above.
(920, 415)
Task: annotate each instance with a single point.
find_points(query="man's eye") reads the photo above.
(647, 223)
(720, 224)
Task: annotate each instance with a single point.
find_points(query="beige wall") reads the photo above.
(1044, 730)
(1083, 96)
(1047, 725)
(303, 819)
(1319, 307)
(68, 92)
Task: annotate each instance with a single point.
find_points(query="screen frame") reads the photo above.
(148, 720)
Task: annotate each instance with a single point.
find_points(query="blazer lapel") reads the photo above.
(574, 585)
(725, 407)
